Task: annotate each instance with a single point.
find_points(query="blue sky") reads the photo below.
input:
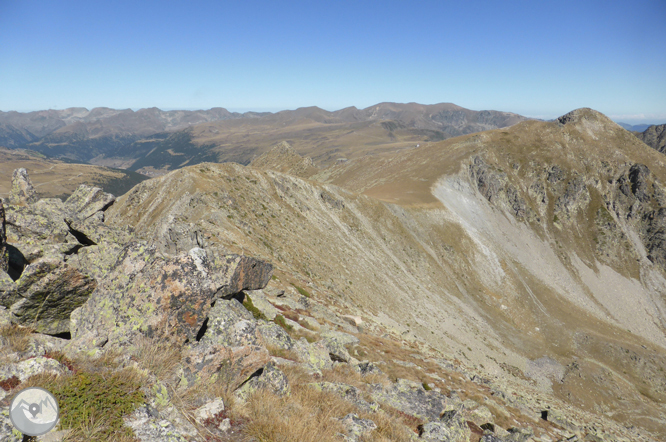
(536, 58)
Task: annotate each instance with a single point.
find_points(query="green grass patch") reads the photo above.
(247, 303)
(92, 405)
(302, 291)
(279, 320)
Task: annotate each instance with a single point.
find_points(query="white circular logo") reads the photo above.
(34, 411)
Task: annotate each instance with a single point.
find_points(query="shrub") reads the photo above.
(92, 405)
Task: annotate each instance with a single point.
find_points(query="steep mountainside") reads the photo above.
(53, 178)
(534, 254)
(655, 137)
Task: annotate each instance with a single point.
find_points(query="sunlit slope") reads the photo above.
(530, 252)
(53, 178)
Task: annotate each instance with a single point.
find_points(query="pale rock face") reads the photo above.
(22, 193)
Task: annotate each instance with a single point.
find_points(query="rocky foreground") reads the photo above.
(142, 344)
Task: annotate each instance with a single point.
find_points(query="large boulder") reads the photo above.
(147, 293)
(47, 293)
(86, 201)
(230, 366)
(41, 222)
(22, 191)
(410, 398)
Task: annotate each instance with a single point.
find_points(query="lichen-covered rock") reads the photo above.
(8, 431)
(411, 399)
(30, 367)
(230, 324)
(86, 201)
(4, 253)
(439, 432)
(270, 378)
(275, 336)
(146, 293)
(8, 294)
(39, 222)
(356, 427)
(315, 356)
(22, 192)
(91, 231)
(96, 261)
(367, 367)
(235, 273)
(347, 392)
(335, 342)
(4, 316)
(231, 366)
(47, 293)
(209, 410)
(481, 415)
(149, 427)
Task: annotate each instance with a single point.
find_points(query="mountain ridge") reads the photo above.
(506, 248)
(115, 138)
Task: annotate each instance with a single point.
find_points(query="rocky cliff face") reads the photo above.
(655, 137)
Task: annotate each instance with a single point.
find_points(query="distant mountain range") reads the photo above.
(153, 141)
(635, 127)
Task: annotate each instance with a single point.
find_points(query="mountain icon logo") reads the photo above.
(34, 411)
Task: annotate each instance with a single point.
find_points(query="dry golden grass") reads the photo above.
(15, 338)
(282, 353)
(160, 357)
(306, 415)
(389, 428)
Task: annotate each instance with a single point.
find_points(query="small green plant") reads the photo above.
(302, 291)
(279, 320)
(247, 303)
(92, 405)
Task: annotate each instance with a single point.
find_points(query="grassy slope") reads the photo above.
(53, 178)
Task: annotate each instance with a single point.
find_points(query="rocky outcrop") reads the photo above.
(22, 192)
(87, 201)
(655, 137)
(4, 253)
(43, 280)
(47, 292)
(146, 293)
(496, 188)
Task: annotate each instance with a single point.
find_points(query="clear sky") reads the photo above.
(536, 58)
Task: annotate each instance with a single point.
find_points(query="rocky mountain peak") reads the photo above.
(283, 158)
(577, 116)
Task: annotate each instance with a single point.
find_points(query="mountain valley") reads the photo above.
(517, 264)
